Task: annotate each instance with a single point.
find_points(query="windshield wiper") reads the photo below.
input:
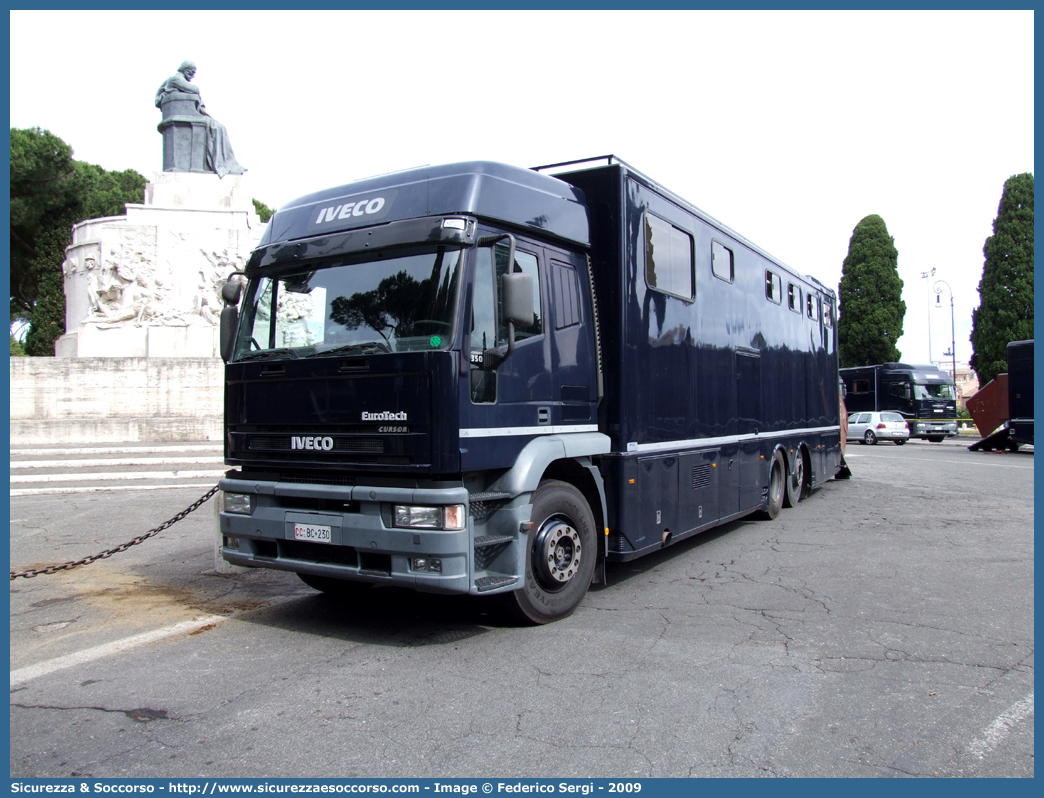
(266, 353)
(369, 348)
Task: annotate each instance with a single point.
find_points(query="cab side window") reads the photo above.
(488, 328)
(524, 262)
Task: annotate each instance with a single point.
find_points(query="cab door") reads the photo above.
(502, 408)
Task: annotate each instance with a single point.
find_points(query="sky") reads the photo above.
(789, 127)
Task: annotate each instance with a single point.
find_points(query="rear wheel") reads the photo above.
(334, 587)
(796, 488)
(870, 438)
(776, 486)
(562, 551)
(900, 441)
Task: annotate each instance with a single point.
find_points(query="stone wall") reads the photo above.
(57, 400)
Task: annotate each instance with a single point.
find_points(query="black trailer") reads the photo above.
(1003, 408)
(1020, 391)
(925, 396)
(483, 379)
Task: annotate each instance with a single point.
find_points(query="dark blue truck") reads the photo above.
(483, 379)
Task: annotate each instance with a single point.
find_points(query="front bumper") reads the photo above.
(484, 557)
(923, 428)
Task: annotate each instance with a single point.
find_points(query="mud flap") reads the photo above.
(599, 572)
(844, 472)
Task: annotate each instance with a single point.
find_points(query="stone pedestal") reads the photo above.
(148, 284)
(184, 133)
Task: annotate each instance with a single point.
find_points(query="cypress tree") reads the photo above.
(870, 297)
(1005, 311)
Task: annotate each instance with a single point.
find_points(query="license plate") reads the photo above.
(312, 532)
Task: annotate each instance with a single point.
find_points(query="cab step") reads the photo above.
(491, 582)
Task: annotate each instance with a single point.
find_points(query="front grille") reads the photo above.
(324, 457)
(317, 479)
(284, 443)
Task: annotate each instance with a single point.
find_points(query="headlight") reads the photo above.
(411, 517)
(237, 503)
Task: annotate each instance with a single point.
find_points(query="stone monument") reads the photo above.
(148, 284)
(193, 141)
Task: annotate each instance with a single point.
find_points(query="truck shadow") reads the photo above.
(404, 618)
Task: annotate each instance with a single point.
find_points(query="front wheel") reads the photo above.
(562, 551)
(870, 438)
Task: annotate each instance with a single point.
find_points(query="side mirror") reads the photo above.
(517, 298)
(230, 293)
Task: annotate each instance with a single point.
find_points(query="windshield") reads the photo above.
(382, 305)
(933, 391)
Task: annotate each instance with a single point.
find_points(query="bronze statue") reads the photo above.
(193, 141)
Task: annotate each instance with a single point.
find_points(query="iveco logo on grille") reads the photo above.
(314, 442)
(385, 416)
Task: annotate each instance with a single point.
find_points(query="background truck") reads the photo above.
(1003, 408)
(923, 395)
(483, 379)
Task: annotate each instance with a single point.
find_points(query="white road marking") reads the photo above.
(997, 731)
(23, 675)
(976, 463)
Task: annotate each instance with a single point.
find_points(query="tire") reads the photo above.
(561, 555)
(334, 587)
(936, 438)
(870, 438)
(776, 486)
(796, 483)
(900, 442)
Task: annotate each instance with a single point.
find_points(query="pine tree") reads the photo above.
(1005, 311)
(870, 297)
(50, 192)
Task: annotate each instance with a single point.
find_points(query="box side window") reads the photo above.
(669, 258)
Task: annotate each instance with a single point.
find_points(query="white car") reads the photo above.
(868, 428)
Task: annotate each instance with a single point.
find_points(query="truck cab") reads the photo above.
(412, 358)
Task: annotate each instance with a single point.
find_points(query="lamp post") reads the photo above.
(940, 286)
(927, 286)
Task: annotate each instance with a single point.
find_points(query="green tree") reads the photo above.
(1005, 311)
(50, 192)
(263, 211)
(870, 297)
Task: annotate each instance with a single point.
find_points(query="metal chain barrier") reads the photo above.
(68, 566)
